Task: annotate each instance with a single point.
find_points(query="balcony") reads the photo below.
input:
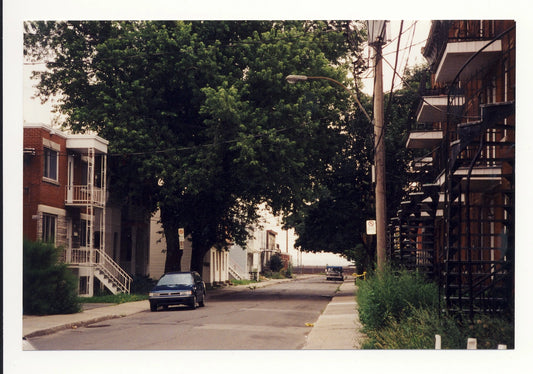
(424, 138)
(458, 53)
(84, 195)
(435, 108)
(481, 179)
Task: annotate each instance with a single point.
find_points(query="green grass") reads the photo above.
(114, 299)
(240, 282)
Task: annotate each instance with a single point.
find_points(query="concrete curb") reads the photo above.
(71, 325)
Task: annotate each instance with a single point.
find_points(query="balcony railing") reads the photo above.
(83, 195)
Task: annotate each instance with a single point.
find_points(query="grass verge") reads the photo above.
(240, 282)
(114, 299)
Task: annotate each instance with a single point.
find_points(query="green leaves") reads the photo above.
(204, 106)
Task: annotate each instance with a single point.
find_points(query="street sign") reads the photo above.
(371, 227)
(181, 235)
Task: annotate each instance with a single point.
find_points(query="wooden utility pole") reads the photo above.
(376, 40)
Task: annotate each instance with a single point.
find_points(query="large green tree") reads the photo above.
(335, 222)
(200, 120)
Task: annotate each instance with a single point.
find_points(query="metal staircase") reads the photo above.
(414, 227)
(479, 211)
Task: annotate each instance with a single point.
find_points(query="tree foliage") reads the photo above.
(335, 222)
(200, 120)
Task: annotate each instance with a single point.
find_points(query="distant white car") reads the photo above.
(334, 273)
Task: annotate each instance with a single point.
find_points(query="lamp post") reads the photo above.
(376, 38)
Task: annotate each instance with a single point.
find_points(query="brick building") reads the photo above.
(65, 202)
(457, 223)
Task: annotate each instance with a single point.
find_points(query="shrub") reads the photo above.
(387, 297)
(49, 287)
(142, 284)
(276, 263)
(288, 271)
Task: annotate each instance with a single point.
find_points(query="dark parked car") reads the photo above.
(178, 288)
(334, 273)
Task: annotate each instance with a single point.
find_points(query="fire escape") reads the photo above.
(85, 197)
(458, 221)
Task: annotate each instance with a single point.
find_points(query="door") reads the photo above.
(70, 179)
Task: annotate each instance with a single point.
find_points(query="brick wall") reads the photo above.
(39, 190)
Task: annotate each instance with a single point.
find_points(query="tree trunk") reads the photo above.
(174, 253)
(197, 257)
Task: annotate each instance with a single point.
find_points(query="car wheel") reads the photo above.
(193, 304)
(153, 307)
(202, 303)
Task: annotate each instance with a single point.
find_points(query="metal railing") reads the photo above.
(113, 271)
(84, 194)
(103, 262)
(238, 271)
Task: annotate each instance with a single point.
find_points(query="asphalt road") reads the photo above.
(273, 317)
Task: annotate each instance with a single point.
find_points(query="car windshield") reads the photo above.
(171, 279)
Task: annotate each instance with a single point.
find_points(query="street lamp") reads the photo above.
(377, 36)
(379, 151)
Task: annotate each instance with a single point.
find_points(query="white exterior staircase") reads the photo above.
(102, 266)
(236, 272)
(110, 274)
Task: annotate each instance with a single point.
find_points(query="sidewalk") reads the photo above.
(336, 328)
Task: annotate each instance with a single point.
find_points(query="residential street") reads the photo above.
(274, 317)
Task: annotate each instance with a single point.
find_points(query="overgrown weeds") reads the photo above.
(389, 297)
(399, 310)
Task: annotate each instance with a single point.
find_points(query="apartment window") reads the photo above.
(50, 164)
(49, 228)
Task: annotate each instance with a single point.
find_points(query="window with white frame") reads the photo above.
(50, 164)
(49, 228)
